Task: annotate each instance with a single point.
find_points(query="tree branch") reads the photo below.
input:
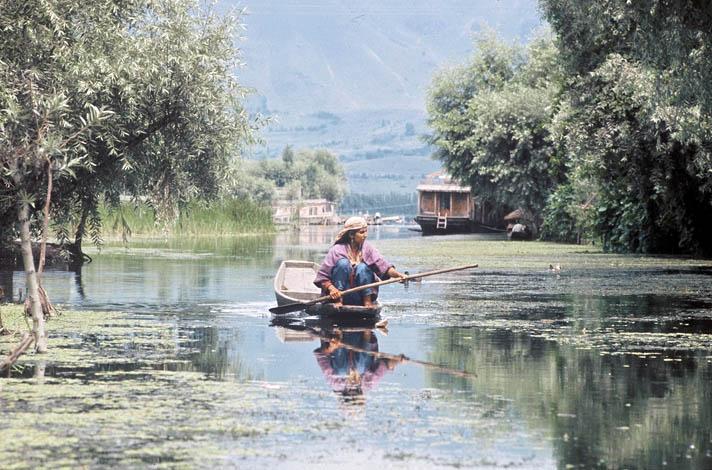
(152, 129)
(45, 221)
(9, 360)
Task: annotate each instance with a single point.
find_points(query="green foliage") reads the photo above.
(127, 219)
(227, 216)
(310, 174)
(248, 183)
(559, 224)
(222, 217)
(123, 97)
(638, 119)
(569, 216)
(288, 155)
(671, 37)
(608, 134)
(490, 121)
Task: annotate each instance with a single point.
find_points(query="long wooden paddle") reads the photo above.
(404, 358)
(296, 306)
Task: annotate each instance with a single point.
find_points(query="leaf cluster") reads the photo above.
(123, 97)
(637, 120)
(604, 130)
(490, 122)
(306, 174)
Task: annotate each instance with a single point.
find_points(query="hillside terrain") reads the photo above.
(352, 76)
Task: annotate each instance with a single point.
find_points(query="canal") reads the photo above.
(168, 356)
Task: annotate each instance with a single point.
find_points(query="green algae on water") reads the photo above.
(110, 401)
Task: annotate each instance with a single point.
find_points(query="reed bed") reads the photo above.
(223, 217)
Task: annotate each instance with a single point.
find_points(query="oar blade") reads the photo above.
(289, 308)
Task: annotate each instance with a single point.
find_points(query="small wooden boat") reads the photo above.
(310, 327)
(294, 283)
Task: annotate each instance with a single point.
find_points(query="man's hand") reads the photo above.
(391, 363)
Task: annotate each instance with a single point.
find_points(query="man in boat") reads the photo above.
(351, 262)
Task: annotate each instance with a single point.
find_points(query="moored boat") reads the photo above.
(294, 282)
(447, 206)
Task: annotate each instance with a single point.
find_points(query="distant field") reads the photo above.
(399, 174)
(382, 150)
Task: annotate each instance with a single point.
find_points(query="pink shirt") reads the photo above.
(339, 382)
(369, 254)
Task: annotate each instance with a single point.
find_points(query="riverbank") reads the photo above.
(135, 222)
(499, 253)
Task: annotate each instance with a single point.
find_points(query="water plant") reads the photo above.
(223, 217)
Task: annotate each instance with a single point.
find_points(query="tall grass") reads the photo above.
(224, 217)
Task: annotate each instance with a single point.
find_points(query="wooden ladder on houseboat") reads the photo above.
(441, 222)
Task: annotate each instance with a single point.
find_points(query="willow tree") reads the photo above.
(112, 97)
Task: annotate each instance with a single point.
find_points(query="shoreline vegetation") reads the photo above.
(139, 221)
(219, 218)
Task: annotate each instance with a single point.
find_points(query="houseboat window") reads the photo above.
(427, 202)
(460, 203)
(444, 200)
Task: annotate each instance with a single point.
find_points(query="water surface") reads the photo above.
(605, 364)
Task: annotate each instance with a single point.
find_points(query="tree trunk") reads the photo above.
(45, 222)
(77, 256)
(33, 294)
(6, 286)
(47, 307)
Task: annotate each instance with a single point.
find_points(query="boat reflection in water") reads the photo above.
(347, 356)
(352, 364)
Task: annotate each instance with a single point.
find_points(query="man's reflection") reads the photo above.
(352, 364)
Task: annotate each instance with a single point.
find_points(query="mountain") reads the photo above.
(352, 76)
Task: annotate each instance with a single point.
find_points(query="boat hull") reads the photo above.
(428, 224)
(293, 283)
(345, 311)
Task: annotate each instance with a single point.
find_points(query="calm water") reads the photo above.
(606, 368)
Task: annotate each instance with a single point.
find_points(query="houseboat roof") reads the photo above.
(441, 182)
(303, 202)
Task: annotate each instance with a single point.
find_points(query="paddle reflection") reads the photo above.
(351, 363)
(347, 356)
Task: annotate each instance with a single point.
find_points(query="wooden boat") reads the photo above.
(294, 283)
(310, 327)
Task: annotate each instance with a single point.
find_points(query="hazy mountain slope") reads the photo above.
(351, 75)
(344, 55)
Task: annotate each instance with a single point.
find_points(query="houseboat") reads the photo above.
(446, 206)
(305, 211)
